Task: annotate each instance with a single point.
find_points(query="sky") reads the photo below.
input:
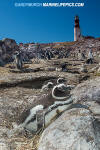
(50, 24)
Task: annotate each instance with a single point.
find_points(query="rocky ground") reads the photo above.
(19, 89)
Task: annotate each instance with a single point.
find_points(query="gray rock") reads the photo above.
(7, 49)
(4, 145)
(2, 63)
(83, 69)
(98, 70)
(9, 43)
(74, 130)
(87, 91)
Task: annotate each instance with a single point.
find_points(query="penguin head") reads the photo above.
(60, 91)
(61, 80)
(50, 84)
(62, 87)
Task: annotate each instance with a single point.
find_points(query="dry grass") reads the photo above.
(64, 44)
(97, 74)
(4, 70)
(33, 144)
(29, 144)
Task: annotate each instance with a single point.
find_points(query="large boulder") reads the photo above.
(74, 130)
(87, 91)
(10, 43)
(7, 49)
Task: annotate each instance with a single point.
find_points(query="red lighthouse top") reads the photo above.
(77, 21)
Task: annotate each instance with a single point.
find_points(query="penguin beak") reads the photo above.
(63, 88)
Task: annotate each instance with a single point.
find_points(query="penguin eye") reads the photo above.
(50, 85)
(60, 88)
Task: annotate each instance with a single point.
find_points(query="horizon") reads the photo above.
(48, 25)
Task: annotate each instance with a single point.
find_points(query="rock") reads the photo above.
(87, 91)
(50, 69)
(88, 94)
(98, 70)
(95, 108)
(83, 69)
(7, 49)
(10, 43)
(6, 58)
(2, 63)
(74, 130)
(4, 145)
(93, 69)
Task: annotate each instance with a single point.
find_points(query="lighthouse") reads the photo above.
(77, 32)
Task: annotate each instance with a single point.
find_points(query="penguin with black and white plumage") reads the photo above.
(61, 80)
(47, 86)
(56, 101)
(18, 59)
(51, 83)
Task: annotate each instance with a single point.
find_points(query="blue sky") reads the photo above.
(38, 24)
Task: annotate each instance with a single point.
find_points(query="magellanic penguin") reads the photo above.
(51, 83)
(61, 80)
(56, 101)
(47, 86)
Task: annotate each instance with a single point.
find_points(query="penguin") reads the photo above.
(47, 86)
(51, 83)
(61, 80)
(55, 101)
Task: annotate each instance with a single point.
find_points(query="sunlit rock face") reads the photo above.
(75, 129)
(87, 91)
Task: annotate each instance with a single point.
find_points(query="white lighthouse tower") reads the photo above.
(77, 32)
